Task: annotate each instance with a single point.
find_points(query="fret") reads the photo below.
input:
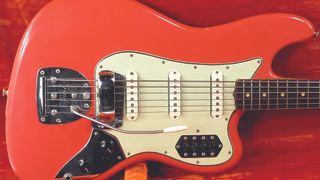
(273, 94)
(255, 95)
(287, 84)
(308, 86)
(247, 96)
(239, 95)
(313, 94)
(264, 95)
(252, 95)
(292, 94)
(259, 99)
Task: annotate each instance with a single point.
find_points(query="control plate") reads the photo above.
(197, 146)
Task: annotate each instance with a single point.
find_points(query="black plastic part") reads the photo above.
(199, 146)
(49, 80)
(101, 153)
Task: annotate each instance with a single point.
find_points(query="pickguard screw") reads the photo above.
(67, 176)
(165, 152)
(163, 62)
(128, 153)
(103, 144)
(227, 67)
(58, 120)
(198, 130)
(195, 67)
(197, 162)
(259, 61)
(42, 72)
(131, 55)
(81, 162)
(101, 67)
(229, 152)
(43, 119)
(177, 146)
(58, 71)
(86, 105)
(226, 119)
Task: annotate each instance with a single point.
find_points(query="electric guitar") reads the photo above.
(99, 86)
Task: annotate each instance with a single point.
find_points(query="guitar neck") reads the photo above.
(277, 94)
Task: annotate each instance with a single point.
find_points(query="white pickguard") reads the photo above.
(199, 121)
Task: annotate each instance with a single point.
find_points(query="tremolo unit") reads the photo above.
(108, 90)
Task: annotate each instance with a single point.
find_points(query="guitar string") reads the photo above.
(189, 106)
(222, 86)
(166, 100)
(213, 93)
(225, 110)
(201, 81)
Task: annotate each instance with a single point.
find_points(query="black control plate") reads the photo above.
(101, 153)
(199, 146)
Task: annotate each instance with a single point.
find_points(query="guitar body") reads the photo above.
(84, 36)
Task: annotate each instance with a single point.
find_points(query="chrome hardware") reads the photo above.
(80, 112)
(53, 79)
(53, 95)
(58, 120)
(67, 176)
(5, 92)
(54, 112)
(132, 95)
(56, 91)
(74, 95)
(216, 94)
(174, 94)
(86, 95)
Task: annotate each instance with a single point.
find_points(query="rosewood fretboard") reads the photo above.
(277, 94)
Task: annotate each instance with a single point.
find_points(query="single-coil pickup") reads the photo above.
(216, 94)
(174, 95)
(132, 95)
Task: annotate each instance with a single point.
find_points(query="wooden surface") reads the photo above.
(277, 145)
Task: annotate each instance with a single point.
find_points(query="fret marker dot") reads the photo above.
(303, 94)
(264, 94)
(282, 94)
(248, 95)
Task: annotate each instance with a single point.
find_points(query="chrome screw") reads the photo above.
(58, 71)
(58, 120)
(42, 72)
